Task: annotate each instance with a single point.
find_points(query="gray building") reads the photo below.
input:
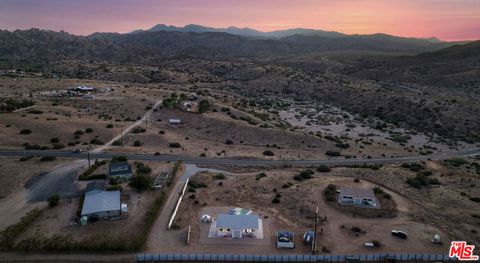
(357, 197)
(102, 204)
(237, 226)
(120, 169)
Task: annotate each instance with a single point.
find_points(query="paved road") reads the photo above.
(244, 162)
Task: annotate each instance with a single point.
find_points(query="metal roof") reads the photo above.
(357, 193)
(237, 221)
(95, 186)
(119, 168)
(101, 202)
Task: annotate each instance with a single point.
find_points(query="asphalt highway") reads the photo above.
(339, 161)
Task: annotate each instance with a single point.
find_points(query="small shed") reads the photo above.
(120, 169)
(357, 197)
(176, 123)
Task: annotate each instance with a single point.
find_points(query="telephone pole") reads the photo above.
(88, 155)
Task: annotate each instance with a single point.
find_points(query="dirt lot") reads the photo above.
(295, 212)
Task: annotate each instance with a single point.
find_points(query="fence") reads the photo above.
(291, 258)
(172, 218)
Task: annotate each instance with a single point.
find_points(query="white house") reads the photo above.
(357, 197)
(176, 123)
(238, 226)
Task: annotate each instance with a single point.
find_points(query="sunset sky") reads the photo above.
(445, 19)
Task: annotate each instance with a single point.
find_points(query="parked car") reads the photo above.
(77, 151)
(399, 234)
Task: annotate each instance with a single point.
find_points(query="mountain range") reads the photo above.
(143, 46)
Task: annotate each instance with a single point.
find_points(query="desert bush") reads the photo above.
(304, 175)
(117, 143)
(25, 131)
(475, 199)
(330, 192)
(195, 185)
(228, 142)
(161, 132)
(48, 158)
(268, 153)
(26, 158)
(119, 159)
(54, 140)
(78, 132)
(87, 174)
(323, 168)
(137, 143)
(141, 182)
(9, 234)
(332, 153)
(96, 141)
(138, 130)
(174, 145)
(53, 200)
(58, 146)
(219, 176)
(142, 168)
(275, 200)
(88, 130)
(203, 106)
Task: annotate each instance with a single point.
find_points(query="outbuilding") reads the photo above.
(357, 197)
(120, 169)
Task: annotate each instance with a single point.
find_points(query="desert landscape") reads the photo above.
(234, 141)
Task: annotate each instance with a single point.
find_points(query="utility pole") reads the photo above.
(88, 155)
(314, 243)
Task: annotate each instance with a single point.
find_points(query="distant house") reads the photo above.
(120, 169)
(99, 203)
(357, 197)
(83, 89)
(237, 226)
(176, 123)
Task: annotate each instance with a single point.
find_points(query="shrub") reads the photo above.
(376, 243)
(48, 158)
(196, 185)
(260, 176)
(117, 143)
(475, 199)
(25, 131)
(109, 126)
(219, 176)
(228, 142)
(287, 185)
(323, 168)
(377, 190)
(275, 200)
(174, 145)
(141, 168)
(332, 153)
(304, 175)
(96, 141)
(88, 130)
(54, 140)
(137, 143)
(141, 182)
(57, 146)
(161, 132)
(119, 159)
(78, 132)
(26, 158)
(138, 130)
(268, 153)
(53, 200)
(9, 234)
(330, 192)
(203, 106)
